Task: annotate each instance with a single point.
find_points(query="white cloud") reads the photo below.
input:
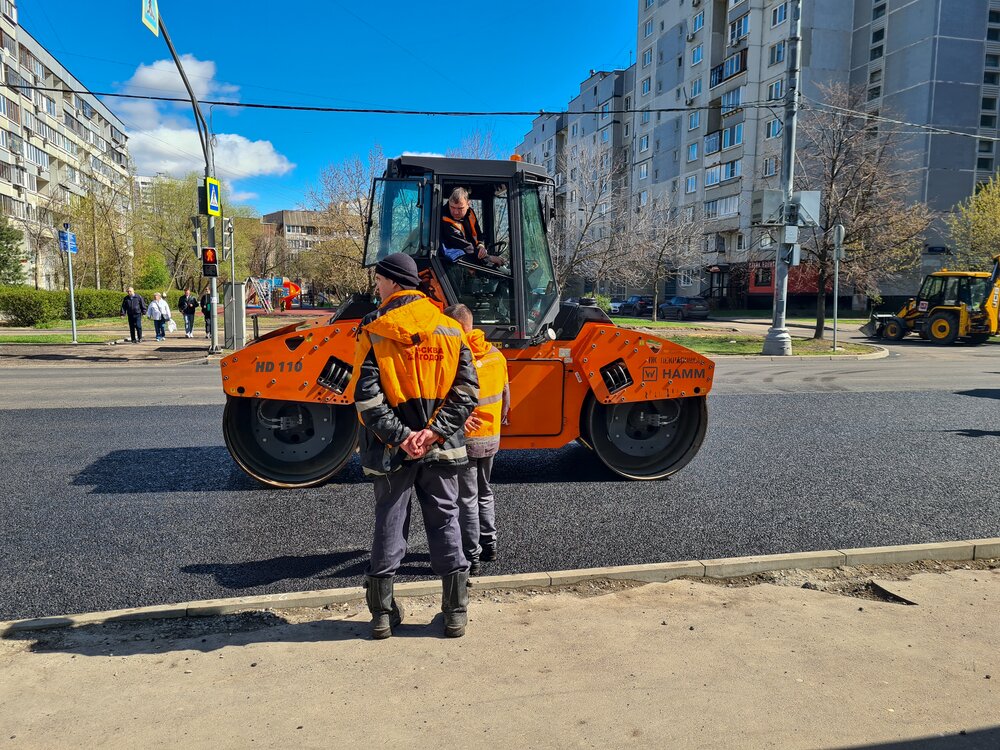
(240, 197)
(161, 136)
(421, 153)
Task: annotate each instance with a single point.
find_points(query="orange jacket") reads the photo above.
(494, 396)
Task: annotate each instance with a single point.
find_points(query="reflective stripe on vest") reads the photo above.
(492, 371)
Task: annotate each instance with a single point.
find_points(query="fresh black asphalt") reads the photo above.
(106, 508)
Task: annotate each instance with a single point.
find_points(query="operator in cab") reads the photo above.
(460, 232)
(415, 387)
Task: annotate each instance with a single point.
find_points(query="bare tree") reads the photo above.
(669, 241)
(479, 144)
(866, 184)
(591, 234)
(342, 197)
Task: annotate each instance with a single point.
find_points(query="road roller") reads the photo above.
(635, 400)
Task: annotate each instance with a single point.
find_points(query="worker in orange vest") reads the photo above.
(476, 508)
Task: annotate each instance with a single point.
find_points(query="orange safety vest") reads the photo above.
(461, 227)
(491, 367)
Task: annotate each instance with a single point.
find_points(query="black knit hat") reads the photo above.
(400, 268)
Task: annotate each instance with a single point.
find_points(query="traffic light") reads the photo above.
(209, 262)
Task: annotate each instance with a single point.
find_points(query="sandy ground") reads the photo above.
(682, 664)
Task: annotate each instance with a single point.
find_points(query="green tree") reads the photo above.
(975, 227)
(153, 273)
(11, 254)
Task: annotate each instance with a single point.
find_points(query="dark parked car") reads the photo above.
(638, 305)
(684, 308)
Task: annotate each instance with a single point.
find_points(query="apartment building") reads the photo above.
(52, 143)
(301, 230)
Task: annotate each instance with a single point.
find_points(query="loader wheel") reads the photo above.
(894, 330)
(647, 439)
(942, 328)
(289, 443)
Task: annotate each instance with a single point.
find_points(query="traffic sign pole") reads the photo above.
(69, 241)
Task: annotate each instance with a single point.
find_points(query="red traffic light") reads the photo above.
(208, 255)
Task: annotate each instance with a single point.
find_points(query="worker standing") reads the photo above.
(476, 507)
(414, 388)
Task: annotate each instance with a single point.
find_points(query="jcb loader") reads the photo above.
(950, 305)
(635, 400)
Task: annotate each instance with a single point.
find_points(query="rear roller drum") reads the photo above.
(647, 439)
(289, 443)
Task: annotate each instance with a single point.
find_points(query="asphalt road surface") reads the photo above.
(118, 490)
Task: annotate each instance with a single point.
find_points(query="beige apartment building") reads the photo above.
(53, 143)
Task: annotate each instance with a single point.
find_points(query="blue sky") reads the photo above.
(515, 55)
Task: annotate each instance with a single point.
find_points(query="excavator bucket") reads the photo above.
(870, 329)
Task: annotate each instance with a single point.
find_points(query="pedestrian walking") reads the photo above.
(159, 313)
(476, 506)
(134, 307)
(208, 310)
(188, 306)
(414, 387)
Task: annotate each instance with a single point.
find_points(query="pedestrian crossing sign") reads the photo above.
(151, 16)
(212, 191)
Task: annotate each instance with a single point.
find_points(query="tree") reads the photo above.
(479, 144)
(865, 182)
(591, 237)
(12, 256)
(669, 240)
(335, 262)
(975, 227)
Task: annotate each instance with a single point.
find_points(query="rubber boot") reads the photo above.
(455, 603)
(386, 612)
(489, 553)
(475, 568)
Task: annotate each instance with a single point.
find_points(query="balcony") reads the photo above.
(731, 67)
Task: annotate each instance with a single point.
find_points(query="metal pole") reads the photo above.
(72, 299)
(206, 146)
(838, 244)
(777, 341)
(93, 224)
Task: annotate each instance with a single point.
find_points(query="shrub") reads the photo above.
(26, 306)
(604, 302)
(95, 303)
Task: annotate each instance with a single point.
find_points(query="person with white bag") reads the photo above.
(159, 312)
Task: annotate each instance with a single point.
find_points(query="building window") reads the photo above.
(739, 28)
(991, 79)
(987, 121)
(878, 35)
(773, 128)
(698, 22)
(605, 110)
(741, 242)
(986, 147)
(731, 100)
(776, 54)
(643, 198)
(711, 177)
(573, 129)
(878, 11)
(779, 14)
(605, 135)
(647, 30)
(875, 76)
(692, 151)
(732, 169)
(645, 86)
(874, 93)
(627, 129)
(644, 170)
(696, 55)
(994, 16)
(647, 58)
(876, 53)
(649, 4)
(775, 90)
(984, 164)
(993, 34)
(695, 87)
(770, 166)
(993, 61)
(691, 184)
(732, 136)
(644, 117)
(694, 119)
(990, 103)
(643, 143)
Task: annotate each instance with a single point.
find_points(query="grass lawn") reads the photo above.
(730, 314)
(753, 344)
(52, 338)
(89, 323)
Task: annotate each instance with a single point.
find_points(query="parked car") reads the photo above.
(638, 305)
(616, 305)
(684, 308)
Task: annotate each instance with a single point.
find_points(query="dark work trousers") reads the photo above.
(436, 488)
(135, 327)
(476, 511)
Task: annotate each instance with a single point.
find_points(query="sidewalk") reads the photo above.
(682, 664)
(175, 349)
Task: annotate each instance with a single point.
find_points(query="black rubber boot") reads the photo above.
(474, 567)
(455, 603)
(386, 612)
(489, 553)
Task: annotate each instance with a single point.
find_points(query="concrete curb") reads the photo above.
(882, 353)
(732, 567)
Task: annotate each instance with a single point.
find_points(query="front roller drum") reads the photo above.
(289, 443)
(647, 439)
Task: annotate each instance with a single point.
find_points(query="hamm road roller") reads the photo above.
(635, 400)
